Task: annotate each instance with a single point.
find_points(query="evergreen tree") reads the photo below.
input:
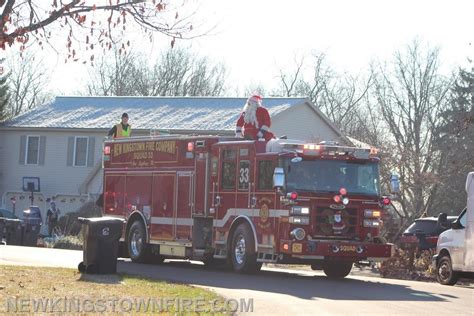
(4, 98)
(455, 143)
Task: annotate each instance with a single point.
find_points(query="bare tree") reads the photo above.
(410, 93)
(118, 76)
(338, 96)
(28, 83)
(21, 21)
(176, 72)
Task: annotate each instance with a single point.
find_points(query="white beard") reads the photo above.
(250, 113)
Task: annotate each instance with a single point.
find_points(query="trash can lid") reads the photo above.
(32, 211)
(86, 220)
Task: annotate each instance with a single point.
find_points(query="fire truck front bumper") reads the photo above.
(325, 249)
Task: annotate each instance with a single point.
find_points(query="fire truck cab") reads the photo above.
(214, 198)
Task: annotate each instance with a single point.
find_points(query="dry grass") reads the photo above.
(35, 283)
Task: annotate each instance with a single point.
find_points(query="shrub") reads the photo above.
(408, 265)
(69, 225)
(65, 242)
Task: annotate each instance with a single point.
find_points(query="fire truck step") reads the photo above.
(267, 257)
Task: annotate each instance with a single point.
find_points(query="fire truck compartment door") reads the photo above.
(184, 206)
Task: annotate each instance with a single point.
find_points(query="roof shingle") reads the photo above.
(182, 113)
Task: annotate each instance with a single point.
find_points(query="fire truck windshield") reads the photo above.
(330, 175)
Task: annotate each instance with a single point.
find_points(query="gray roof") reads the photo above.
(178, 113)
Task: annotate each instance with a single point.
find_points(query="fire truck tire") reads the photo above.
(242, 252)
(136, 244)
(337, 269)
(444, 271)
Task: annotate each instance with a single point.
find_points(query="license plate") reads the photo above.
(297, 248)
(346, 248)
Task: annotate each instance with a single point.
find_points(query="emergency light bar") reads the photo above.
(330, 149)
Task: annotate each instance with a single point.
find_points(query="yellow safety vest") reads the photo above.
(121, 132)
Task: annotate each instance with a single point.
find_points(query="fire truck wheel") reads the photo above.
(337, 269)
(243, 255)
(444, 271)
(137, 247)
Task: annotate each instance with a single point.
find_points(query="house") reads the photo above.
(61, 142)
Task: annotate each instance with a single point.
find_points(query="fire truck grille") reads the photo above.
(335, 223)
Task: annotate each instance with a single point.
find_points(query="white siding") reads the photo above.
(57, 179)
(303, 123)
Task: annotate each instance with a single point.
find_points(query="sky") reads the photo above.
(256, 38)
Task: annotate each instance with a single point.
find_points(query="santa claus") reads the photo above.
(254, 122)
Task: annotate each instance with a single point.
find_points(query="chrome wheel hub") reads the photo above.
(444, 271)
(239, 250)
(136, 243)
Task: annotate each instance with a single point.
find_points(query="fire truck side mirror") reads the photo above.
(278, 178)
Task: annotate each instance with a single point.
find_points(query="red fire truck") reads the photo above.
(214, 198)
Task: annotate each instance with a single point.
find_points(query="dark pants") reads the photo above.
(52, 225)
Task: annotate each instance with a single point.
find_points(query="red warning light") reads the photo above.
(107, 150)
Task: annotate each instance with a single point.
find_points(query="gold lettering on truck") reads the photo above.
(168, 147)
(142, 153)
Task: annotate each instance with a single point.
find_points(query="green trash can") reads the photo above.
(101, 244)
(2, 231)
(13, 231)
(31, 226)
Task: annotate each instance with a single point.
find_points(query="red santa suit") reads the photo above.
(254, 122)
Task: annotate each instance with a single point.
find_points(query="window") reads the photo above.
(80, 151)
(228, 169)
(331, 175)
(244, 174)
(265, 175)
(32, 150)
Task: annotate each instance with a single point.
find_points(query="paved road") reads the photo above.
(284, 292)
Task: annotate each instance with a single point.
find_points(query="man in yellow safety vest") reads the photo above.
(122, 129)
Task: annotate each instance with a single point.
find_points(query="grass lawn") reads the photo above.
(39, 290)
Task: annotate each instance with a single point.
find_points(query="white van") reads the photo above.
(455, 248)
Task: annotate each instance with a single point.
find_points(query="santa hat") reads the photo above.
(255, 99)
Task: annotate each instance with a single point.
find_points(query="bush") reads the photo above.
(65, 242)
(69, 225)
(408, 265)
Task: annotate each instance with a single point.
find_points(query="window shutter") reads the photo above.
(70, 150)
(22, 149)
(42, 150)
(90, 150)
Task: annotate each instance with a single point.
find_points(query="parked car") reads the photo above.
(424, 232)
(7, 214)
(455, 250)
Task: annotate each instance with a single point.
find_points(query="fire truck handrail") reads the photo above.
(168, 137)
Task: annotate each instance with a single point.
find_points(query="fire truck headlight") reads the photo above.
(298, 210)
(372, 213)
(299, 220)
(298, 233)
(372, 223)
